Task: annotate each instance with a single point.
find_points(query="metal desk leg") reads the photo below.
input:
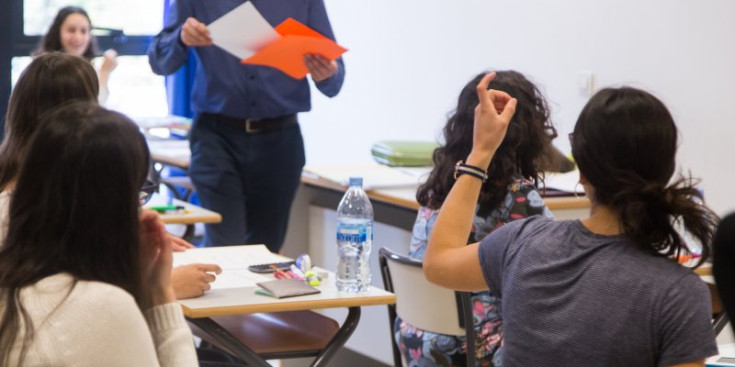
(339, 339)
(234, 345)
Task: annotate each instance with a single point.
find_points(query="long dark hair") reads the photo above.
(74, 210)
(52, 40)
(49, 81)
(625, 143)
(529, 135)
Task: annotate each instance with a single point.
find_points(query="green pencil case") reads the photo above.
(401, 153)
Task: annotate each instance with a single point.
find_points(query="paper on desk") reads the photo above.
(726, 356)
(242, 31)
(567, 182)
(234, 261)
(374, 176)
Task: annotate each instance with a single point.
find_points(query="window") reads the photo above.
(134, 89)
(125, 15)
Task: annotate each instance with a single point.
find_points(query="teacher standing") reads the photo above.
(246, 144)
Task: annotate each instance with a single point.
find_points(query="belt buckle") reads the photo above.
(248, 128)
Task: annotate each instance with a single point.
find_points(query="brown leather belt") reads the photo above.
(257, 126)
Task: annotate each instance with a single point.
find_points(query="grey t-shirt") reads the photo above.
(574, 298)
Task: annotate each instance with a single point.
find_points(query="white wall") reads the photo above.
(408, 59)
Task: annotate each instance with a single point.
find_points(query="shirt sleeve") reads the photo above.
(167, 53)
(686, 333)
(108, 329)
(492, 252)
(319, 21)
(171, 335)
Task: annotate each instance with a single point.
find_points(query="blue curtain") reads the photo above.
(178, 84)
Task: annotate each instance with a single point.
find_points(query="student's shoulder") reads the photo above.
(100, 297)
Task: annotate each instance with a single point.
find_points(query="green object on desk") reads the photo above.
(403, 153)
(166, 208)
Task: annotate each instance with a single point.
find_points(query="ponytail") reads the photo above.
(650, 214)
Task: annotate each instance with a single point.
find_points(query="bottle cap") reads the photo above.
(356, 181)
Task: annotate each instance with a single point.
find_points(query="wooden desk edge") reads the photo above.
(553, 203)
(193, 219)
(290, 306)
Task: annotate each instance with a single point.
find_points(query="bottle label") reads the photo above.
(353, 232)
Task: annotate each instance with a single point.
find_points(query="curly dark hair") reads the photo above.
(529, 136)
(52, 40)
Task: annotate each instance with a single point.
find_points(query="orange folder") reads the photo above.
(287, 53)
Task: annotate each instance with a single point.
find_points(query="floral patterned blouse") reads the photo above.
(422, 348)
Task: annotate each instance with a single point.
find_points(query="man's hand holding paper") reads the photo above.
(195, 33)
(291, 47)
(319, 66)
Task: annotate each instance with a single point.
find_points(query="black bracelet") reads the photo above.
(461, 168)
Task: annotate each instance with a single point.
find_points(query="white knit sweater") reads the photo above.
(98, 324)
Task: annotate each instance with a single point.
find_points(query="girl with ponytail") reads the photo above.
(604, 290)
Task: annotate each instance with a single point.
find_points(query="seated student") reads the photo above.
(71, 32)
(602, 291)
(723, 264)
(50, 80)
(85, 275)
(508, 194)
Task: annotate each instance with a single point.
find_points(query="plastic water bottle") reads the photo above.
(354, 239)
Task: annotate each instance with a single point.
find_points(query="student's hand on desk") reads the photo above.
(320, 67)
(193, 280)
(195, 33)
(156, 260)
(179, 244)
(492, 117)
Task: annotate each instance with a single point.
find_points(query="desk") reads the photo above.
(191, 215)
(242, 300)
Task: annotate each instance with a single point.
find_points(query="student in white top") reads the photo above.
(71, 32)
(53, 79)
(85, 275)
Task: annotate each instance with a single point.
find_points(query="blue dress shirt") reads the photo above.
(225, 86)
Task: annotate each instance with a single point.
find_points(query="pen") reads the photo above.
(165, 208)
(299, 274)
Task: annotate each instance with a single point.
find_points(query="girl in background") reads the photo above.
(508, 194)
(70, 32)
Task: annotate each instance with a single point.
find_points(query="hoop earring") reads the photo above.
(576, 195)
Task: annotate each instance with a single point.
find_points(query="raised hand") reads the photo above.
(492, 116)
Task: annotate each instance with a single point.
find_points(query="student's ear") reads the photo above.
(583, 180)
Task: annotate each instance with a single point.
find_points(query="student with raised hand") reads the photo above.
(51, 80)
(508, 194)
(84, 273)
(604, 290)
(71, 32)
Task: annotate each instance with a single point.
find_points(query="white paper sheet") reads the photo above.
(242, 31)
(374, 176)
(567, 182)
(234, 261)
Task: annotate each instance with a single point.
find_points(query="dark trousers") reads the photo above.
(249, 178)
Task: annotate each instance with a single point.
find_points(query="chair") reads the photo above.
(423, 304)
(276, 335)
